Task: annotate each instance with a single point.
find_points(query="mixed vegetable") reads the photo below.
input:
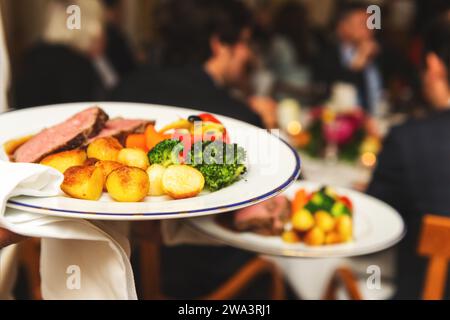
(321, 217)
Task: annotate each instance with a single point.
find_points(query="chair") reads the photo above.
(343, 276)
(435, 243)
(146, 237)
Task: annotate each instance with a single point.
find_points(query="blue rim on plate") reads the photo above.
(229, 207)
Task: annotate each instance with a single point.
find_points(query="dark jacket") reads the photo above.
(54, 74)
(191, 271)
(328, 68)
(187, 87)
(413, 175)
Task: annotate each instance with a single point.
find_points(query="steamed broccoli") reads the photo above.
(221, 164)
(166, 152)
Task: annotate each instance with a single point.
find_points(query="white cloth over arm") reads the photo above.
(79, 259)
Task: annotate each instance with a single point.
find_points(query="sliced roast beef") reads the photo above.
(68, 135)
(120, 128)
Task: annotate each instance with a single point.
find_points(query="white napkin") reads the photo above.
(79, 259)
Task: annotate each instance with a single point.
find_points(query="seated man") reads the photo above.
(204, 50)
(413, 173)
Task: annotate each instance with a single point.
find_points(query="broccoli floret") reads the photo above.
(166, 152)
(221, 164)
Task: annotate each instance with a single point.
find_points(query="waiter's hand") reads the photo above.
(7, 238)
(266, 108)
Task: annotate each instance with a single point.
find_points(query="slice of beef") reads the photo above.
(268, 218)
(120, 128)
(68, 135)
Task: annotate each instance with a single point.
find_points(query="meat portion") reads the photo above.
(68, 135)
(267, 218)
(120, 128)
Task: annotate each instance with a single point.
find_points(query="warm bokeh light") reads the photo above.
(369, 159)
(294, 128)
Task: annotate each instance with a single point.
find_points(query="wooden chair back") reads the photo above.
(435, 244)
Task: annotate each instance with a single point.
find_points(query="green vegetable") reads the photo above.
(339, 209)
(322, 200)
(221, 164)
(166, 153)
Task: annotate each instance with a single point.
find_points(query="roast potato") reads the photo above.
(302, 220)
(83, 182)
(315, 237)
(181, 181)
(65, 160)
(134, 158)
(106, 149)
(155, 174)
(128, 184)
(107, 167)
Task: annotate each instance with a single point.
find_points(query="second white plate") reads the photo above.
(377, 226)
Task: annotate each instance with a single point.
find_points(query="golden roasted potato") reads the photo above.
(302, 220)
(333, 238)
(65, 160)
(133, 158)
(344, 228)
(181, 181)
(324, 221)
(315, 237)
(155, 174)
(107, 167)
(291, 237)
(90, 162)
(83, 182)
(106, 149)
(128, 184)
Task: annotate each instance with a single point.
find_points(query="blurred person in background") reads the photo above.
(66, 65)
(205, 45)
(118, 49)
(413, 174)
(205, 53)
(356, 57)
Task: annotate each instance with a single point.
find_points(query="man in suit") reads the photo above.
(204, 52)
(356, 57)
(413, 172)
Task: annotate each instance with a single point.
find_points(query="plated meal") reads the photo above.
(132, 140)
(355, 224)
(316, 218)
(131, 160)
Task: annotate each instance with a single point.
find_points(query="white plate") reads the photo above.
(377, 226)
(273, 166)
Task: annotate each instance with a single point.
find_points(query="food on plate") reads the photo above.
(133, 157)
(12, 145)
(107, 167)
(182, 181)
(121, 128)
(302, 220)
(315, 237)
(106, 149)
(166, 153)
(83, 182)
(128, 184)
(97, 153)
(267, 218)
(155, 174)
(65, 160)
(314, 218)
(68, 135)
(220, 163)
(321, 217)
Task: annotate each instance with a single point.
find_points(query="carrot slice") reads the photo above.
(300, 200)
(153, 137)
(137, 141)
